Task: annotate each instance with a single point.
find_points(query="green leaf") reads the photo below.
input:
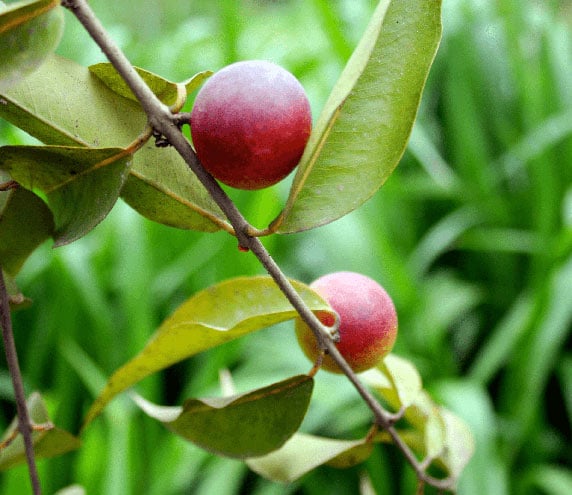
(164, 89)
(72, 490)
(210, 318)
(396, 380)
(459, 443)
(195, 81)
(426, 417)
(399, 383)
(301, 454)
(353, 456)
(81, 184)
(29, 32)
(434, 435)
(25, 222)
(63, 103)
(446, 438)
(240, 426)
(404, 377)
(162, 188)
(47, 443)
(363, 130)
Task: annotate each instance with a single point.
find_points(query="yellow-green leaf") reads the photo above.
(49, 442)
(404, 377)
(210, 318)
(352, 457)
(426, 417)
(364, 127)
(29, 32)
(301, 454)
(195, 81)
(399, 383)
(459, 443)
(164, 89)
(62, 103)
(396, 380)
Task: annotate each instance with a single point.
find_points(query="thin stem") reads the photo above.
(163, 121)
(11, 184)
(8, 441)
(442, 484)
(24, 423)
(139, 141)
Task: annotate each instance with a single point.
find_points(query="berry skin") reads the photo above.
(368, 321)
(250, 124)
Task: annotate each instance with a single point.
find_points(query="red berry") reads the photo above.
(250, 124)
(368, 321)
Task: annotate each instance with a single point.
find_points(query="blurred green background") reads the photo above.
(472, 236)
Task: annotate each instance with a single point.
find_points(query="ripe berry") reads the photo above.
(250, 124)
(368, 321)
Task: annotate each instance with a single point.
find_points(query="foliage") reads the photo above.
(471, 235)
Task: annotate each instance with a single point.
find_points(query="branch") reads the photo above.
(24, 423)
(163, 121)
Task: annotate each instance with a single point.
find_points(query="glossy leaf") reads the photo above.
(210, 318)
(301, 454)
(29, 32)
(240, 426)
(81, 184)
(25, 222)
(363, 130)
(47, 443)
(160, 185)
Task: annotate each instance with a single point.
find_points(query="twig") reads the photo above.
(24, 423)
(11, 184)
(8, 441)
(163, 121)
